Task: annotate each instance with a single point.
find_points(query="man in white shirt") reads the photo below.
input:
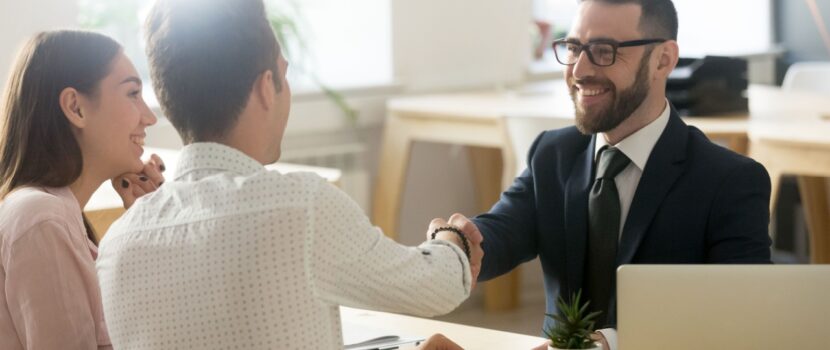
(230, 255)
(631, 183)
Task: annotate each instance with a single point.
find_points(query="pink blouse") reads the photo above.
(49, 294)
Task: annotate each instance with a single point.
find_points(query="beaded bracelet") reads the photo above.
(459, 233)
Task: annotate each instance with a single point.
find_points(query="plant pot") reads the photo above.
(596, 347)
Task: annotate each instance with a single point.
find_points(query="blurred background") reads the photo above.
(350, 58)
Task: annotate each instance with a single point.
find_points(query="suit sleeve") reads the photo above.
(738, 231)
(509, 228)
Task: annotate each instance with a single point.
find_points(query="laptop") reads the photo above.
(731, 307)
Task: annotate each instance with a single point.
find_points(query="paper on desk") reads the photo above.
(358, 337)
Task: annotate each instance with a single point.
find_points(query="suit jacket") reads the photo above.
(696, 203)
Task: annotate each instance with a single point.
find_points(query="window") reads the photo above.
(718, 27)
(349, 42)
(344, 43)
(713, 27)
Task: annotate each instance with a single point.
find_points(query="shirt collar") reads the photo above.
(638, 146)
(214, 156)
(67, 197)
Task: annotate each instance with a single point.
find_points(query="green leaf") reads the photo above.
(573, 327)
(287, 22)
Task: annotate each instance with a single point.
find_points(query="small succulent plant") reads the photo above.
(574, 324)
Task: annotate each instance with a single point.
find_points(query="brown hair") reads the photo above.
(38, 147)
(658, 18)
(204, 57)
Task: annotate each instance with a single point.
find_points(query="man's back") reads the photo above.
(232, 255)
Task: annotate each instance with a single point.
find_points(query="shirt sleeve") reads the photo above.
(610, 335)
(353, 264)
(47, 292)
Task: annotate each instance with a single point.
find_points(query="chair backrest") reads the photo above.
(808, 76)
(803, 94)
(523, 130)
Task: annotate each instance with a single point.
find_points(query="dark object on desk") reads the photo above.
(709, 86)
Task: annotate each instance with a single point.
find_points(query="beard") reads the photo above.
(607, 117)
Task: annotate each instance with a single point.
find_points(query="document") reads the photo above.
(358, 337)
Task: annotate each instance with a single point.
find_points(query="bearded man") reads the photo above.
(631, 183)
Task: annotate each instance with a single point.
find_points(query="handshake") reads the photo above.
(469, 231)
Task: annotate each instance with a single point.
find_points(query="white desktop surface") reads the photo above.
(468, 337)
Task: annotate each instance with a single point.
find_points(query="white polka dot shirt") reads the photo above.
(229, 255)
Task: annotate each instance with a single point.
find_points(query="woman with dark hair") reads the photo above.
(72, 118)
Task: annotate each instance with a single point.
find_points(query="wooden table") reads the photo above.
(799, 147)
(105, 206)
(478, 120)
(467, 337)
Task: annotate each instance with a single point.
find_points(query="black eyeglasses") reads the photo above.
(602, 53)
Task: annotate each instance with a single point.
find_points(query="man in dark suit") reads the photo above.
(631, 183)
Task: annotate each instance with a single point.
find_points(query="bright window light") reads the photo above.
(707, 27)
(342, 43)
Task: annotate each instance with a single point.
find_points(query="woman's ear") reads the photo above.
(70, 101)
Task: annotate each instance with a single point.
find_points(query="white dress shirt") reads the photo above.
(231, 255)
(637, 147)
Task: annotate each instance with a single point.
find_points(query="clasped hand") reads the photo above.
(131, 186)
(471, 232)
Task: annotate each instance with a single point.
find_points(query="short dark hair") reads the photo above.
(658, 18)
(205, 56)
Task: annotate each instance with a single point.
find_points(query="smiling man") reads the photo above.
(631, 183)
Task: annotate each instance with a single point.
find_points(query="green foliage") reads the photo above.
(286, 20)
(574, 324)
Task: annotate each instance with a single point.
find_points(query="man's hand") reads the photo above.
(600, 338)
(439, 342)
(471, 232)
(131, 186)
(543, 346)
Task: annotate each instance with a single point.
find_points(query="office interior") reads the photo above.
(374, 52)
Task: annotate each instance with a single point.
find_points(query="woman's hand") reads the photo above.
(131, 186)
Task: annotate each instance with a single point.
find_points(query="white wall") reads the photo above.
(21, 19)
(440, 44)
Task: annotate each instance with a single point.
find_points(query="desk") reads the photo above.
(478, 120)
(802, 148)
(105, 206)
(468, 337)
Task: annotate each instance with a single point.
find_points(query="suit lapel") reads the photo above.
(576, 215)
(665, 165)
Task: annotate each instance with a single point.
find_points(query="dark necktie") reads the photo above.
(603, 231)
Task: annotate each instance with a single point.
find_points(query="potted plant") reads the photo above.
(574, 325)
